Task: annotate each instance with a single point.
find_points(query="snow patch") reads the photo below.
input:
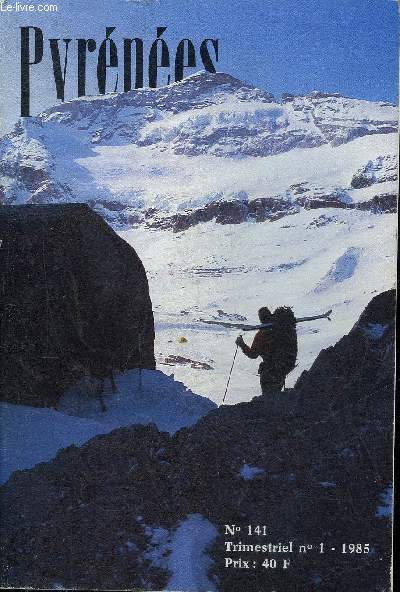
(30, 435)
(159, 546)
(184, 553)
(248, 472)
(374, 331)
(342, 269)
(385, 510)
(141, 397)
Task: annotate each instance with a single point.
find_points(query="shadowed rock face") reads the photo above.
(75, 302)
(322, 455)
(368, 346)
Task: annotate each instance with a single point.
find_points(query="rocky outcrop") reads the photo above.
(229, 212)
(313, 464)
(379, 204)
(359, 366)
(267, 209)
(75, 302)
(380, 170)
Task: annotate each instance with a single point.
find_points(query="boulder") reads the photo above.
(75, 302)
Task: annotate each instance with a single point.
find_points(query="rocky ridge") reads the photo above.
(269, 209)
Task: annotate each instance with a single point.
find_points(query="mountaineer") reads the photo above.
(277, 346)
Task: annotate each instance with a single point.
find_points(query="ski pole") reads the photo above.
(230, 373)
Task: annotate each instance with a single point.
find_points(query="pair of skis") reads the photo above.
(242, 327)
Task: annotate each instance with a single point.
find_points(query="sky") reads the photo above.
(296, 46)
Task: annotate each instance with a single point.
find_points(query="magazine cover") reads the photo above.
(197, 294)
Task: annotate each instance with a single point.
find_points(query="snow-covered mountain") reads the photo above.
(153, 153)
(305, 189)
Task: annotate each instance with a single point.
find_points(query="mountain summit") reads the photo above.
(210, 138)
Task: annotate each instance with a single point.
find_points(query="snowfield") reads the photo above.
(314, 261)
(141, 177)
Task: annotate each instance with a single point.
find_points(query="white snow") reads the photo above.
(183, 552)
(31, 435)
(142, 397)
(374, 331)
(189, 561)
(367, 193)
(343, 268)
(385, 509)
(124, 172)
(248, 472)
(238, 268)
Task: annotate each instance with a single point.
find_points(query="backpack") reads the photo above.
(283, 341)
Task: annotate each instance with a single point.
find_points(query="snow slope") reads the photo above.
(172, 183)
(313, 261)
(34, 435)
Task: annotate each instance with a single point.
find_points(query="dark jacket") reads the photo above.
(261, 346)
